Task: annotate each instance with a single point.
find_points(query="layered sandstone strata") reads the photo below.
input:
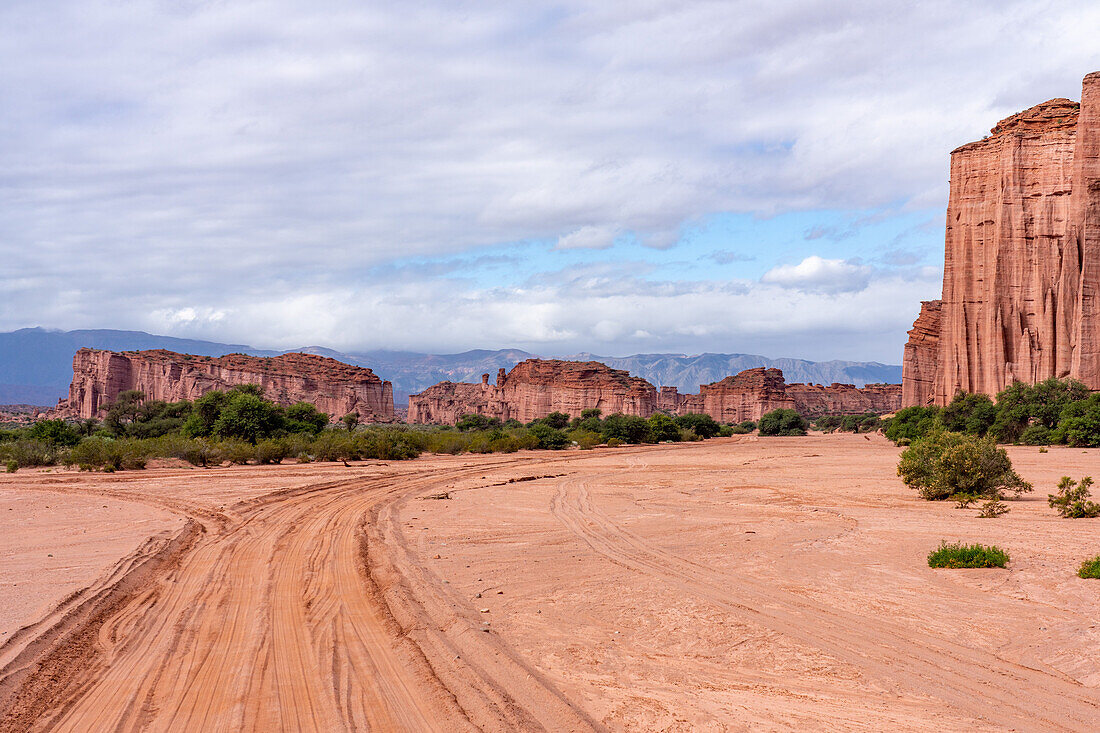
(744, 396)
(1022, 258)
(844, 399)
(332, 386)
(536, 388)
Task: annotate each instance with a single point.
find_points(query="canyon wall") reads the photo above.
(535, 388)
(332, 386)
(1022, 259)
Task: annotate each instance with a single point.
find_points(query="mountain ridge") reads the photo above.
(36, 363)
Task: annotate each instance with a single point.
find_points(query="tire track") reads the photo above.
(970, 680)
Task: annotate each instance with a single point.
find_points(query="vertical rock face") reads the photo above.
(535, 388)
(1022, 259)
(332, 386)
(920, 363)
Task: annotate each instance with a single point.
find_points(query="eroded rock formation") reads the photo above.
(1022, 259)
(535, 388)
(330, 385)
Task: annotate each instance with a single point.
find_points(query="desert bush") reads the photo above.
(1072, 499)
(585, 439)
(471, 421)
(1079, 424)
(31, 453)
(958, 555)
(110, 454)
(1020, 405)
(1089, 568)
(725, 431)
(662, 428)
(1037, 435)
(625, 428)
(701, 424)
(969, 413)
(689, 436)
(53, 432)
(388, 444)
(783, 421)
(12, 466)
(944, 463)
(963, 500)
(548, 437)
(614, 442)
(911, 424)
(332, 445)
(993, 508)
(737, 430)
(556, 420)
(197, 451)
(272, 450)
(237, 451)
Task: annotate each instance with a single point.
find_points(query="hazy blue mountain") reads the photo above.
(36, 364)
(688, 372)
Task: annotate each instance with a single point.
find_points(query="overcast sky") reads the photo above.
(765, 177)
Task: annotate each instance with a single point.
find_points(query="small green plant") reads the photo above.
(958, 555)
(13, 466)
(1090, 568)
(963, 500)
(1072, 499)
(993, 508)
(1044, 450)
(783, 421)
(943, 464)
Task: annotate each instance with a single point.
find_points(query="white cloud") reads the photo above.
(816, 274)
(589, 237)
(243, 156)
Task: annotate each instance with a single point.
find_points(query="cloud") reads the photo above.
(726, 256)
(815, 274)
(589, 237)
(238, 156)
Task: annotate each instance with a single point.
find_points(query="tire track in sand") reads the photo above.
(267, 617)
(970, 680)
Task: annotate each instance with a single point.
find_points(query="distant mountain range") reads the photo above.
(36, 364)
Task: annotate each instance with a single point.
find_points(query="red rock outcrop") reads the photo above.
(330, 385)
(844, 399)
(920, 362)
(535, 388)
(1022, 258)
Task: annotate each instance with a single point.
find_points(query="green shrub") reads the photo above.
(13, 466)
(701, 424)
(1020, 405)
(958, 555)
(662, 428)
(1037, 435)
(1090, 568)
(1080, 423)
(32, 453)
(272, 450)
(471, 421)
(625, 428)
(109, 454)
(748, 425)
(973, 414)
(944, 463)
(585, 439)
(783, 421)
(238, 451)
(1072, 499)
(53, 432)
(548, 437)
(911, 424)
(614, 442)
(993, 508)
(736, 430)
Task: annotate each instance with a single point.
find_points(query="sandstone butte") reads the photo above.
(332, 386)
(1021, 281)
(535, 388)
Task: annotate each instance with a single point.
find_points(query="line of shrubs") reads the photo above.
(1056, 411)
(239, 426)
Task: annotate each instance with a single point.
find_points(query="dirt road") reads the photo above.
(728, 585)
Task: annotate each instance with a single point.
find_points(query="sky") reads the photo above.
(616, 178)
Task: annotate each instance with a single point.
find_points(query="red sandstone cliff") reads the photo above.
(330, 385)
(1022, 258)
(536, 388)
